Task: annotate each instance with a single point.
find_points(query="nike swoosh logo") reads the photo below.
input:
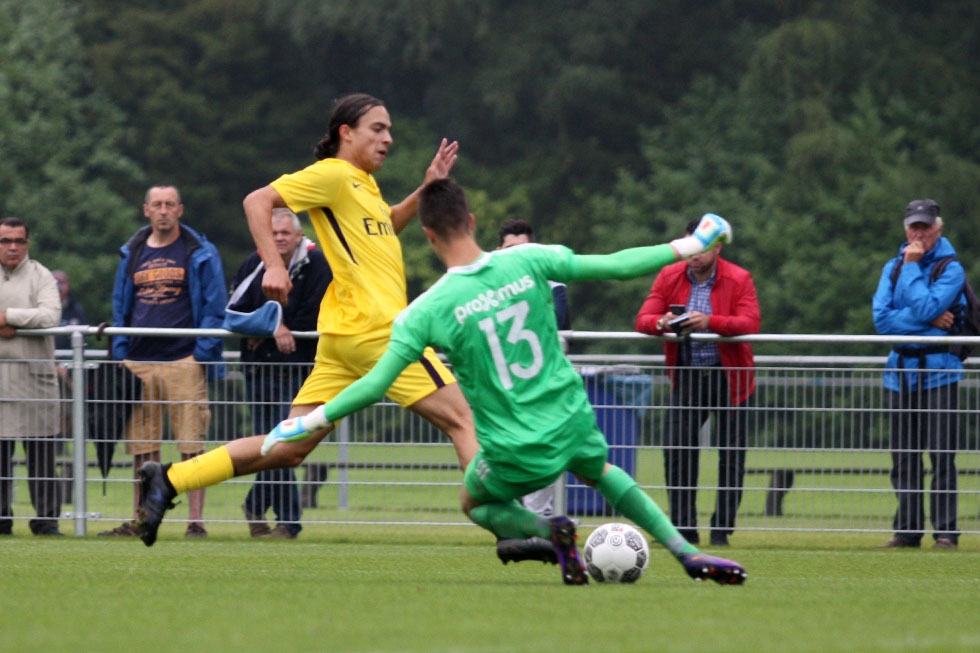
(357, 185)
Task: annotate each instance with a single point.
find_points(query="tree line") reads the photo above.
(809, 125)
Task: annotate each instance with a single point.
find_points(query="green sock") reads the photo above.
(625, 495)
(510, 519)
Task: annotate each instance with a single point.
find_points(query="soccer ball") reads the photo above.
(616, 553)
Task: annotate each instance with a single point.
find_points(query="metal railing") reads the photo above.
(818, 455)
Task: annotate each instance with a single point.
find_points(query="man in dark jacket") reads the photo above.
(717, 296)
(922, 380)
(169, 276)
(276, 367)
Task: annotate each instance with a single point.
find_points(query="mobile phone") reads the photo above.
(677, 309)
(678, 322)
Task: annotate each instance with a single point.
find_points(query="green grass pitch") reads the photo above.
(370, 588)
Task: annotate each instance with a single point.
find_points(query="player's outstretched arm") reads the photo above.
(639, 261)
(360, 394)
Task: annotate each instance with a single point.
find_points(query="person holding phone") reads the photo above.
(705, 294)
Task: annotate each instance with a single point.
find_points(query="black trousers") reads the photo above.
(924, 421)
(695, 394)
(270, 390)
(41, 482)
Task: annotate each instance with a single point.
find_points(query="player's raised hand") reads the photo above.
(276, 284)
(443, 161)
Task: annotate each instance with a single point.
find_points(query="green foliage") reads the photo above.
(809, 124)
(63, 163)
(220, 102)
(805, 158)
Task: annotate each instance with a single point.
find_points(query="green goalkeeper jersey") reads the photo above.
(495, 321)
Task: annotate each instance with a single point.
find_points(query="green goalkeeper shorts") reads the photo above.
(488, 480)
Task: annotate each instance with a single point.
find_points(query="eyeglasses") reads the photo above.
(13, 241)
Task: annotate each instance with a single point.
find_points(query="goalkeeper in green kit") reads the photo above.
(491, 314)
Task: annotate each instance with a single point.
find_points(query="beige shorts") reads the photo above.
(180, 388)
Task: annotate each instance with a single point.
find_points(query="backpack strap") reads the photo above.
(896, 271)
(937, 269)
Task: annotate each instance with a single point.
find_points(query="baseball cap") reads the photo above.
(921, 211)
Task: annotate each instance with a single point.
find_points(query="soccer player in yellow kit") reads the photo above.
(358, 232)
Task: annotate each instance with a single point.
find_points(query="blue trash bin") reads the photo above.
(614, 397)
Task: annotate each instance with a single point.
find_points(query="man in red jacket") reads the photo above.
(716, 296)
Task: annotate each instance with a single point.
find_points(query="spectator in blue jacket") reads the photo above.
(921, 380)
(169, 276)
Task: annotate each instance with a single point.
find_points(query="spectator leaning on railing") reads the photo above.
(716, 296)
(28, 382)
(922, 380)
(169, 276)
(275, 367)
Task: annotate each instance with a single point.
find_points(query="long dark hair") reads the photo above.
(347, 110)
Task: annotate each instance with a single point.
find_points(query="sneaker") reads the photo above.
(515, 549)
(282, 532)
(195, 529)
(898, 543)
(713, 229)
(700, 566)
(944, 543)
(257, 527)
(290, 430)
(49, 529)
(156, 498)
(563, 540)
(128, 529)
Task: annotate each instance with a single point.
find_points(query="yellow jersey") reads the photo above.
(353, 225)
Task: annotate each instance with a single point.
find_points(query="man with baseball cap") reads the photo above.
(921, 379)
(922, 211)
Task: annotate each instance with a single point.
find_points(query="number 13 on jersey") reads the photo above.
(516, 314)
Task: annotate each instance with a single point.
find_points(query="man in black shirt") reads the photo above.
(276, 367)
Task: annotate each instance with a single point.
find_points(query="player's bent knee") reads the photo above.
(466, 501)
(292, 454)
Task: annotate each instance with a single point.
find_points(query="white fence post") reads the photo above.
(79, 462)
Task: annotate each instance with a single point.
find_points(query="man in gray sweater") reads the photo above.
(28, 382)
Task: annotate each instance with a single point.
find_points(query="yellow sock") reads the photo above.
(201, 471)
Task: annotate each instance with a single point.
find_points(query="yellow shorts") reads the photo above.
(341, 360)
(178, 386)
